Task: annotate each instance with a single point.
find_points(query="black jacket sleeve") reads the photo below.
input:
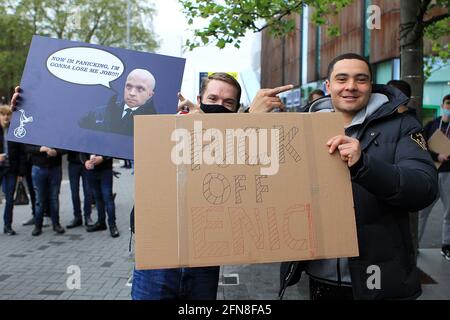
(410, 182)
(32, 149)
(22, 170)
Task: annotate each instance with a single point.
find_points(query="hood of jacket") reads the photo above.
(383, 101)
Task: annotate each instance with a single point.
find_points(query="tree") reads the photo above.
(14, 42)
(414, 26)
(230, 19)
(101, 22)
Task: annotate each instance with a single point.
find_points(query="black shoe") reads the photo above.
(96, 227)
(9, 231)
(58, 229)
(75, 223)
(29, 222)
(88, 221)
(36, 231)
(114, 232)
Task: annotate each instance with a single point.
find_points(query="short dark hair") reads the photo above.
(447, 97)
(348, 56)
(402, 85)
(225, 77)
(317, 91)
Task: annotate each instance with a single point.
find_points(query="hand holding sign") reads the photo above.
(349, 148)
(15, 98)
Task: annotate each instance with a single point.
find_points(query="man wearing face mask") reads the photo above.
(219, 93)
(440, 123)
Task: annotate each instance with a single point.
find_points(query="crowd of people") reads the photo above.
(41, 168)
(384, 146)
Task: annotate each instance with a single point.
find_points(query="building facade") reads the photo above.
(302, 57)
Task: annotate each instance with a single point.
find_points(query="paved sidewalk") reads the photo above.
(36, 267)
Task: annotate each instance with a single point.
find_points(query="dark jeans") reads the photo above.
(30, 187)
(8, 180)
(47, 183)
(77, 171)
(101, 183)
(323, 291)
(179, 283)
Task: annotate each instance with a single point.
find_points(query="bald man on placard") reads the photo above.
(117, 117)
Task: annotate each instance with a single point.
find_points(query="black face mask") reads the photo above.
(214, 108)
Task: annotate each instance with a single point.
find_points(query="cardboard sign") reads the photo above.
(222, 189)
(439, 143)
(75, 95)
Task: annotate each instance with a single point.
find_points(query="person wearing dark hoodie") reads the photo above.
(391, 172)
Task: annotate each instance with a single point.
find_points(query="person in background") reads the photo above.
(101, 183)
(47, 174)
(12, 167)
(441, 123)
(405, 88)
(78, 171)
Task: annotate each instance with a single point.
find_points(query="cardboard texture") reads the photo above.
(204, 215)
(439, 143)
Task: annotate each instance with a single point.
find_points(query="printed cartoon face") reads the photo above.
(349, 85)
(138, 88)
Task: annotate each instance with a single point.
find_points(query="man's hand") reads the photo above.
(2, 157)
(89, 165)
(266, 99)
(184, 104)
(44, 149)
(52, 152)
(19, 179)
(349, 148)
(96, 160)
(442, 158)
(15, 98)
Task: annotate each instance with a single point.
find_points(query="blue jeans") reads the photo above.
(179, 283)
(101, 185)
(29, 180)
(77, 171)
(47, 183)
(8, 180)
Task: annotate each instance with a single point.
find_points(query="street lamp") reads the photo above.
(129, 24)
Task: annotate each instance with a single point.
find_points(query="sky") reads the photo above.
(172, 29)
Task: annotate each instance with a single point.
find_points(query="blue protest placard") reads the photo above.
(82, 97)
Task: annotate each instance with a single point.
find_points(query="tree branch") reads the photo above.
(435, 19)
(423, 8)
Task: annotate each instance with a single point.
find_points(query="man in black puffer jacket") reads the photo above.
(392, 173)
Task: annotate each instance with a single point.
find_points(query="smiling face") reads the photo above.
(138, 88)
(349, 86)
